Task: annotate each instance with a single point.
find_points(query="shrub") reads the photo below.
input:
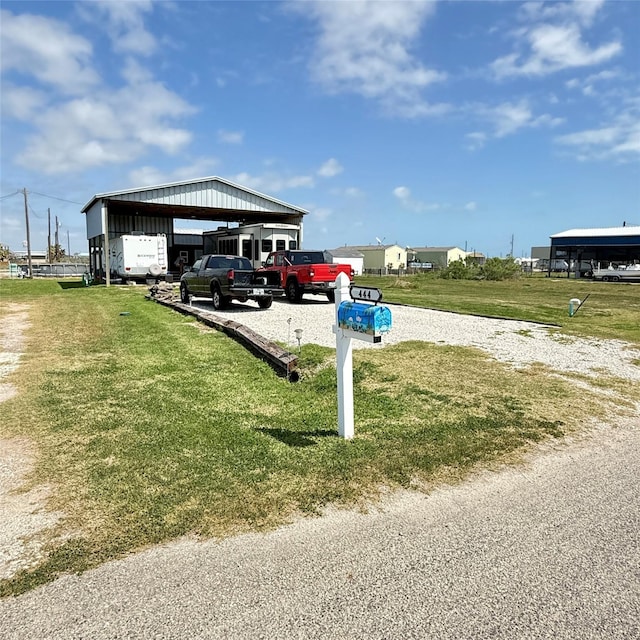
(500, 269)
(460, 270)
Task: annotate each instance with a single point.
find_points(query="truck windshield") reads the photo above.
(307, 257)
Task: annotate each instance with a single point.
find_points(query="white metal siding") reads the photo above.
(94, 221)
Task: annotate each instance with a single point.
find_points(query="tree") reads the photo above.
(57, 253)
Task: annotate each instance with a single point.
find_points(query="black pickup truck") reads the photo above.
(226, 278)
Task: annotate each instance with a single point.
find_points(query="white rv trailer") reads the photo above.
(252, 241)
(137, 257)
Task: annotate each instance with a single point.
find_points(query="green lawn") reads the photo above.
(612, 310)
(150, 427)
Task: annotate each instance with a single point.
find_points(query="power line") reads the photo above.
(44, 195)
(34, 212)
(15, 193)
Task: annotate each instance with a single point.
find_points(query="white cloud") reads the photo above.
(477, 140)
(583, 11)
(403, 194)
(46, 49)
(230, 137)
(618, 140)
(148, 176)
(509, 117)
(364, 48)
(124, 23)
(592, 85)
(107, 128)
(556, 43)
(273, 182)
(321, 213)
(506, 119)
(22, 103)
(330, 168)
(348, 192)
(77, 123)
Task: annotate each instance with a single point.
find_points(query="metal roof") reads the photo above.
(369, 247)
(200, 194)
(599, 233)
(434, 248)
(345, 252)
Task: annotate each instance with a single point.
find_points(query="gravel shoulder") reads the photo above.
(24, 520)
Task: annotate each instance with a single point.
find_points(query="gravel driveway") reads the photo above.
(511, 341)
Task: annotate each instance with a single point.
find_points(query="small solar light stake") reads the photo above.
(288, 344)
(298, 333)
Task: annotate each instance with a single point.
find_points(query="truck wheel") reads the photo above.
(331, 296)
(219, 301)
(265, 303)
(294, 294)
(184, 294)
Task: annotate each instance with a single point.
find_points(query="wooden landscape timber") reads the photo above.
(282, 361)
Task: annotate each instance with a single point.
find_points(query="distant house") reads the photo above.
(381, 257)
(348, 255)
(440, 257)
(476, 257)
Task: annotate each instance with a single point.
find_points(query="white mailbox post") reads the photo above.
(344, 364)
(360, 321)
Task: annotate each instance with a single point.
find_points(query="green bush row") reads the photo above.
(492, 269)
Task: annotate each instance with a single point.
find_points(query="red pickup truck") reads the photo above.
(299, 272)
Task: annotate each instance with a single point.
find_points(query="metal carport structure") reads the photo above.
(611, 244)
(153, 209)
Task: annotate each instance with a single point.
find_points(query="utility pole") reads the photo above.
(56, 236)
(49, 235)
(26, 219)
(511, 252)
(68, 245)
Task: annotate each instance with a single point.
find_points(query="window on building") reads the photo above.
(267, 245)
(293, 245)
(246, 249)
(280, 245)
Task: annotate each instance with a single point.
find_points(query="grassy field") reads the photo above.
(611, 310)
(150, 427)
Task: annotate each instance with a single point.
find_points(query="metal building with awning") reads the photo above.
(610, 244)
(152, 210)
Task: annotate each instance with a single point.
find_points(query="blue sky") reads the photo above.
(418, 123)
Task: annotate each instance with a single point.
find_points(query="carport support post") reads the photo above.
(344, 364)
(107, 259)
